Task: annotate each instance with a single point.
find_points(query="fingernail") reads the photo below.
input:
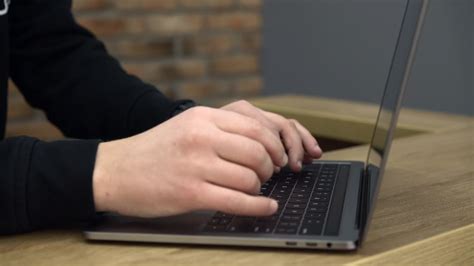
(318, 148)
(300, 164)
(285, 159)
(277, 169)
(273, 206)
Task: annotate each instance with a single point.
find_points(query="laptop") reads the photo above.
(328, 205)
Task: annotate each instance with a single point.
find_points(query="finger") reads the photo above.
(310, 144)
(293, 143)
(291, 138)
(235, 202)
(232, 122)
(244, 151)
(234, 176)
(307, 159)
(249, 110)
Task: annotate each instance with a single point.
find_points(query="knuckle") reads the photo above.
(255, 128)
(194, 137)
(260, 154)
(290, 124)
(198, 112)
(243, 103)
(253, 183)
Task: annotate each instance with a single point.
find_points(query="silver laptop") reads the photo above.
(328, 205)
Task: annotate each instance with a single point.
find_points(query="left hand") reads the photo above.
(300, 145)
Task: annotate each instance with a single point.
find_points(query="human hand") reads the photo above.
(298, 141)
(203, 158)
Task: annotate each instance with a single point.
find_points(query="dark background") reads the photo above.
(343, 48)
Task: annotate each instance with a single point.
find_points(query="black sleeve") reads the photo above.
(62, 69)
(43, 184)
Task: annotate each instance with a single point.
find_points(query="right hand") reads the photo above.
(202, 159)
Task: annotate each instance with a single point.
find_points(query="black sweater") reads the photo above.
(62, 69)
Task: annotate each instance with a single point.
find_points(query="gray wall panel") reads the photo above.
(342, 48)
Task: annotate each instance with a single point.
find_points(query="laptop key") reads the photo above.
(291, 218)
(320, 198)
(263, 229)
(215, 228)
(314, 215)
(317, 209)
(294, 211)
(225, 221)
(300, 196)
(302, 190)
(267, 219)
(297, 200)
(295, 206)
(288, 224)
(214, 221)
(322, 189)
(311, 222)
(318, 204)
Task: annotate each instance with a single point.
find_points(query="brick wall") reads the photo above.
(199, 49)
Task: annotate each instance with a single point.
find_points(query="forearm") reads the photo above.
(64, 70)
(45, 184)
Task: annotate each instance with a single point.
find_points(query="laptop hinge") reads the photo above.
(364, 194)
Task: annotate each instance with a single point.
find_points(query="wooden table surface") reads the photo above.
(424, 213)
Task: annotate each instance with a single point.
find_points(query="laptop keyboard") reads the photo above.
(309, 203)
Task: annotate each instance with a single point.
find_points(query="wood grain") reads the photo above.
(353, 121)
(452, 248)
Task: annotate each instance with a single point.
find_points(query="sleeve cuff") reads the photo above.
(59, 185)
(151, 109)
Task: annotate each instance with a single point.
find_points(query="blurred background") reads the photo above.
(209, 50)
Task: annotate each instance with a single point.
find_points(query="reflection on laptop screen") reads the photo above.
(395, 85)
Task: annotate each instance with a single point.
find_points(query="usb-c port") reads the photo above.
(290, 243)
(311, 244)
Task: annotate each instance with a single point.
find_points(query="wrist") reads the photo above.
(182, 106)
(101, 182)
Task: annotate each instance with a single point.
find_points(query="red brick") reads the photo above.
(202, 89)
(175, 70)
(111, 26)
(251, 3)
(183, 69)
(175, 24)
(235, 64)
(212, 4)
(238, 21)
(251, 86)
(153, 5)
(156, 49)
(251, 42)
(209, 45)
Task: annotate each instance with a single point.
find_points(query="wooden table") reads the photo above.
(424, 213)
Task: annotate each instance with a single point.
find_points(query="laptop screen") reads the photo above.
(397, 79)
